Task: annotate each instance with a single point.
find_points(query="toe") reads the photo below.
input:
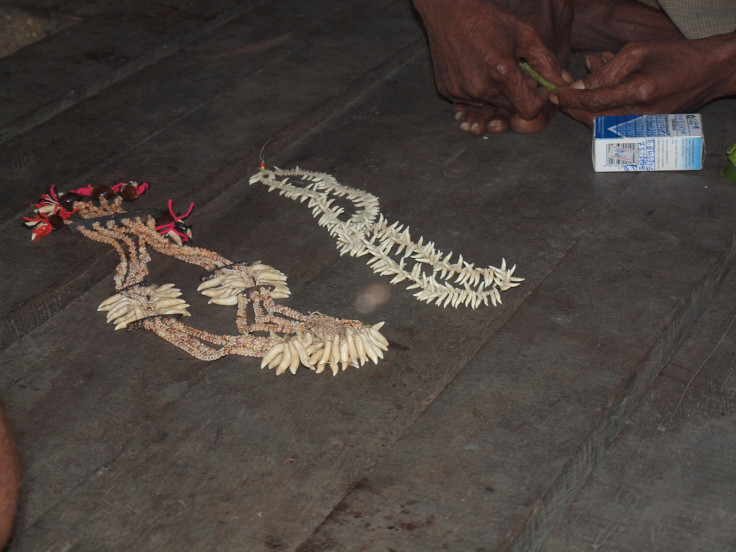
(498, 121)
(530, 126)
(459, 111)
(468, 118)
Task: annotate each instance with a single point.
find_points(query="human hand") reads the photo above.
(476, 46)
(652, 77)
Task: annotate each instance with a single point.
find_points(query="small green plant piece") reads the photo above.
(536, 76)
(729, 170)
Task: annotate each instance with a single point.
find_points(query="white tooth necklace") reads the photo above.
(390, 248)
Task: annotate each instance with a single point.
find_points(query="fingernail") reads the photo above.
(578, 84)
(587, 62)
(554, 99)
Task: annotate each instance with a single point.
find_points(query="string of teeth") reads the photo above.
(390, 248)
(283, 337)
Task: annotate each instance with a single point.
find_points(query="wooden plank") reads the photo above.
(455, 439)
(96, 54)
(668, 482)
(456, 436)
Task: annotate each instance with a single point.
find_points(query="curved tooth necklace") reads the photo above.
(390, 248)
(284, 337)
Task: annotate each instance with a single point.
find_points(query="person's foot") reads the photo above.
(479, 120)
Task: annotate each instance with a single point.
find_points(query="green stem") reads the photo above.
(536, 76)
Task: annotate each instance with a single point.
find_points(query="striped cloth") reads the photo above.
(699, 18)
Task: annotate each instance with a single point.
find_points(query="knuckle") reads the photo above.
(634, 51)
(503, 68)
(647, 91)
(526, 33)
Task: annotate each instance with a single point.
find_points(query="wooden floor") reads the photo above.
(594, 410)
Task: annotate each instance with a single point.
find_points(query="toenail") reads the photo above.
(459, 115)
(475, 127)
(464, 126)
(495, 123)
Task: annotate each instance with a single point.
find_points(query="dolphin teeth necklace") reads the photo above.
(390, 249)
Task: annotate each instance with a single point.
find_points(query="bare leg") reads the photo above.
(611, 24)
(9, 479)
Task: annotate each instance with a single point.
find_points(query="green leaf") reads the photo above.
(729, 171)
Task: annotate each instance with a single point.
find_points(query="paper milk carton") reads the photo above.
(648, 143)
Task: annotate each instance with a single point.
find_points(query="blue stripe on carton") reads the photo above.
(646, 126)
(630, 126)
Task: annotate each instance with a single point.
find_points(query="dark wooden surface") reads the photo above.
(667, 483)
(479, 428)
